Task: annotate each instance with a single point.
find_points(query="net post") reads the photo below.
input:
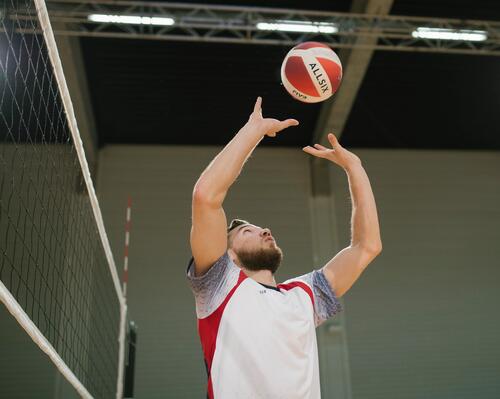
(121, 352)
(123, 307)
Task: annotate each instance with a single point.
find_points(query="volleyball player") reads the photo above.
(258, 337)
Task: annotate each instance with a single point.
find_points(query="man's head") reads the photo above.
(254, 246)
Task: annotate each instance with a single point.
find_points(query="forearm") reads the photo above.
(221, 173)
(365, 229)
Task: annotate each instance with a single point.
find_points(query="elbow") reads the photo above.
(378, 249)
(369, 253)
(203, 195)
(372, 248)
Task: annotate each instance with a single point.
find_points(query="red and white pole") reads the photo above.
(127, 241)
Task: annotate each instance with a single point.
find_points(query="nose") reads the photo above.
(265, 232)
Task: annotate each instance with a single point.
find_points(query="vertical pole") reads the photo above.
(123, 313)
(127, 241)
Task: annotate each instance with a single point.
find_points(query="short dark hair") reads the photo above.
(235, 223)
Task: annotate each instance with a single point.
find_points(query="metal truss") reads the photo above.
(235, 24)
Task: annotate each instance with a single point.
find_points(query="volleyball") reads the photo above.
(311, 72)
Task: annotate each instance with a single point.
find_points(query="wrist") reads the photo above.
(353, 165)
(254, 130)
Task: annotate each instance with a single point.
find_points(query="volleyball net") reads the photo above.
(57, 274)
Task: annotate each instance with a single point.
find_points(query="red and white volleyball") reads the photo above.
(311, 72)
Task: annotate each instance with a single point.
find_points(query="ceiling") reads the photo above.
(164, 92)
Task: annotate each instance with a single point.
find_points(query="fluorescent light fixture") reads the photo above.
(450, 34)
(299, 26)
(131, 19)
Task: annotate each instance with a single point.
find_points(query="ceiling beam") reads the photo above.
(335, 111)
(236, 24)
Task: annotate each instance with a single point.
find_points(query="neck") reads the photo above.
(261, 276)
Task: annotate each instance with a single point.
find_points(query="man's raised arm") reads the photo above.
(209, 224)
(346, 267)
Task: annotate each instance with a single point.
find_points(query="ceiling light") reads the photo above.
(130, 19)
(298, 26)
(450, 34)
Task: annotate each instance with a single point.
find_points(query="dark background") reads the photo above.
(163, 92)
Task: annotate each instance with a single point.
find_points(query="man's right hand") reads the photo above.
(268, 126)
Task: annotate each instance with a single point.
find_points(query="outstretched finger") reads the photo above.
(291, 122)
(312, 151)
(258, 105)
(287, 123)
(320, 147)
(333, 140)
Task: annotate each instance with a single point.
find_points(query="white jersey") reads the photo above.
(260, 341)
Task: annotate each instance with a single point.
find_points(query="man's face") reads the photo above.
(256, 248)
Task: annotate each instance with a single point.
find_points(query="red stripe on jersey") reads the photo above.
(306, 45)
(297, 75)
(300, 284)
(333, 71)
(208, 329)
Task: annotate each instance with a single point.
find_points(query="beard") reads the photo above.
(261, 259)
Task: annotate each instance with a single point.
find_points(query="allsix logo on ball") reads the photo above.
(322, 82)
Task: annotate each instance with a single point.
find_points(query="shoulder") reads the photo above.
(211, 289)
(324, 300)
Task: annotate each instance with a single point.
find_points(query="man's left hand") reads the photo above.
(337, 154)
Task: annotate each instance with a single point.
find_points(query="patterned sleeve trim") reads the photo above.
(207, 280)
(211, 288)
(327, 303)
